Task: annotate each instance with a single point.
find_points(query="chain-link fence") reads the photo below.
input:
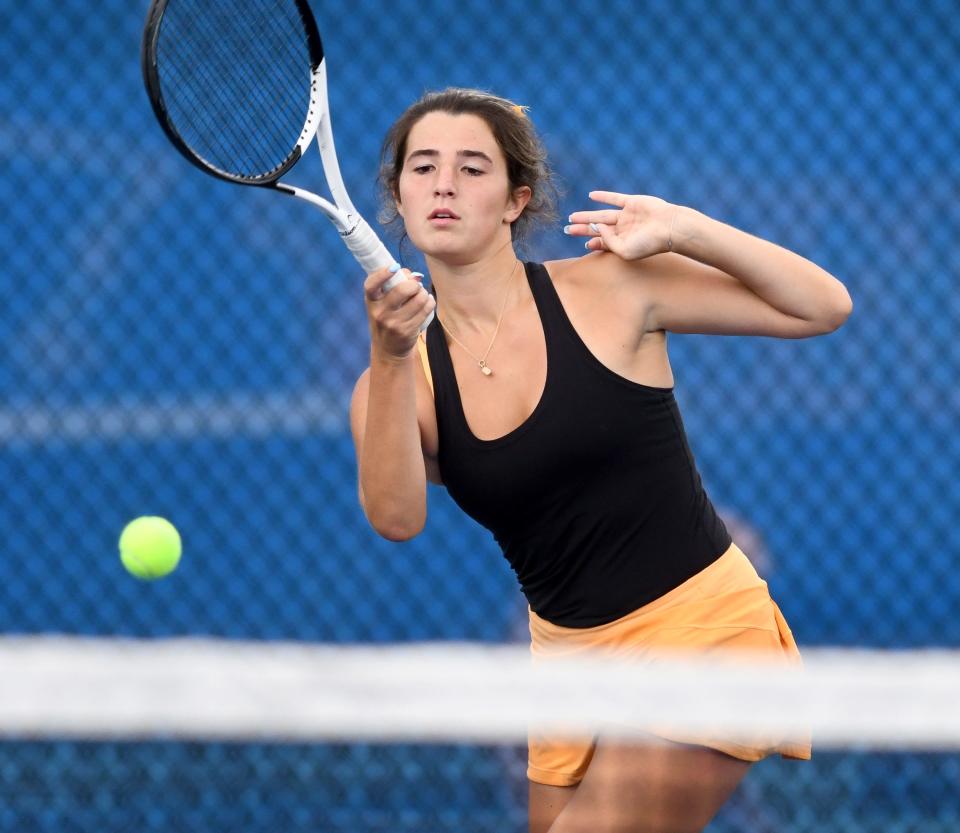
(179, 346)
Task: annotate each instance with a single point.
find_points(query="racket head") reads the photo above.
(236, 87)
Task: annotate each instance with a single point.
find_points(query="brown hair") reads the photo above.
(514, 133)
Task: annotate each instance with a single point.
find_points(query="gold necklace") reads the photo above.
(482, 360)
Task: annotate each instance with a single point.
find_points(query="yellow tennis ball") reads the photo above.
(150, 547)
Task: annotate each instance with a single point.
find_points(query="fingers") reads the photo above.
(594, 231)
(404, 297)
(398, 305)
(608, 216)
(421, 309)
(375, 285)
(604, 238)
(411, 318)
(601, 236)
(410, 299)
(399, 284)
(610, 197)
(594, 244)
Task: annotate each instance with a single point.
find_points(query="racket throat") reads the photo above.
(341, 219)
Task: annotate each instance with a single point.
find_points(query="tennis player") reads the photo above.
(542, 398)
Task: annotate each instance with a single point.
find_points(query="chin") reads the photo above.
(450, 248)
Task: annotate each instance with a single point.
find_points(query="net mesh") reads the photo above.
(174, 346)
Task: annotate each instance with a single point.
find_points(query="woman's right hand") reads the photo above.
(396, 315)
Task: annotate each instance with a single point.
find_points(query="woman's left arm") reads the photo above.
(701, 275)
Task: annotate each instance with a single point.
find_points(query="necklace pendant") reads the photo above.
(486, 371)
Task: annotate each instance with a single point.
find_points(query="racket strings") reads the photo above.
(236, 84)
(193, 83)
(213, 130)
(296, 56)
(202, 130)
(265, 112)
(256, 123)
(295, 82)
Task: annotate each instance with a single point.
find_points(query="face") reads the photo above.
(455, 197)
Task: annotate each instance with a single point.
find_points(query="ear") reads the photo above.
(397, 203)
(517, 202)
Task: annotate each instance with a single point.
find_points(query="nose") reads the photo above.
(443, 186)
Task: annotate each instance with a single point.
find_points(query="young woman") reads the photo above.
(541, 397)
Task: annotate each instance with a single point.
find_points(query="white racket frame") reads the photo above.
(357, 234)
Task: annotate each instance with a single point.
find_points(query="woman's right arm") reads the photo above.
(384, 412)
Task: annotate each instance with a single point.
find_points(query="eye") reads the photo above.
(473, 171)
(422, 169)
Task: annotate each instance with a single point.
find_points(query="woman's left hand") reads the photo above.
(638, 227)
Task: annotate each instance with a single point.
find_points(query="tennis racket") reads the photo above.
(240, 88)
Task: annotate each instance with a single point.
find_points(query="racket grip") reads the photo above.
(366, 247)
(372, 255)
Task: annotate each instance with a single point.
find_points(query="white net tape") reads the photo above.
(103, 688)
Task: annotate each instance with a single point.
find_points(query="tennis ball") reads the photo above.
(150, 547)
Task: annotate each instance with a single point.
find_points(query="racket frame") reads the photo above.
(356, 233)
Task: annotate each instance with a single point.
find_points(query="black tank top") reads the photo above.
(595, 499)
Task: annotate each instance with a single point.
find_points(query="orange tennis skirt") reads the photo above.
(724, 608)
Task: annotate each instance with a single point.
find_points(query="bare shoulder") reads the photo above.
(604, 270)
(604, 282)
(584, 270)
(608, 305)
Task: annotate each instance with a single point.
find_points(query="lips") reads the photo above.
(443, 214)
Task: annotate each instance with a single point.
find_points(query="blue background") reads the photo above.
(174, 345)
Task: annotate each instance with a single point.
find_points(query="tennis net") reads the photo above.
(191, 734)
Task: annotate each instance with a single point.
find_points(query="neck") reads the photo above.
(470, 296)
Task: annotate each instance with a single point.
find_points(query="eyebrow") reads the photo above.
(468, 154)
